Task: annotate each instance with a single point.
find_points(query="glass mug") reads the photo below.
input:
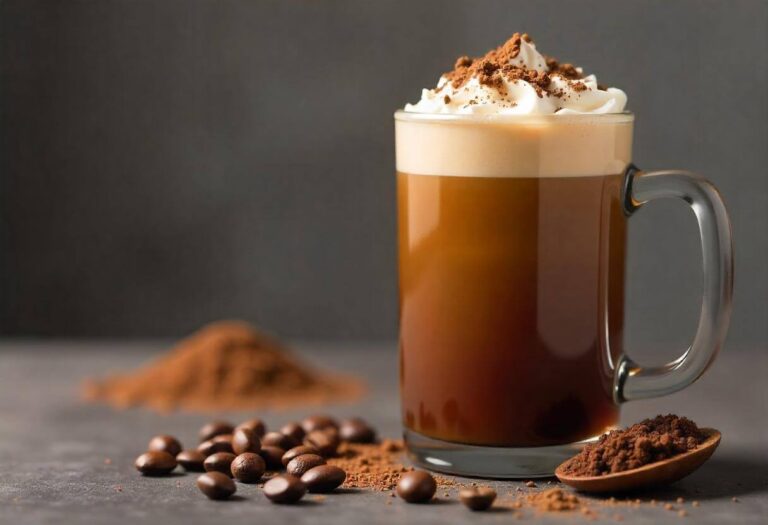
(511, 254)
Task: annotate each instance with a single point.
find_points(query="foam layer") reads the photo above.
(513, 146)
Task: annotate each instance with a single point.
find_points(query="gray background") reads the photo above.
(166, 163)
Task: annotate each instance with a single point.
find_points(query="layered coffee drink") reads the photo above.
(511, 251)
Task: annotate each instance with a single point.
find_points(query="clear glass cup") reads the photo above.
(511, 248)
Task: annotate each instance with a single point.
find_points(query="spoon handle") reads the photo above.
(633, 381)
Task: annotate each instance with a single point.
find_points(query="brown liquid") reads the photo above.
(506, 288)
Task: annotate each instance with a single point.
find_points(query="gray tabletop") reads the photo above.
(66, 462)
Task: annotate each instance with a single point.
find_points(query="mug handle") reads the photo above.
(632, 381)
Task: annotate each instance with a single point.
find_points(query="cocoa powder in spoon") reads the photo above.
(643, 443)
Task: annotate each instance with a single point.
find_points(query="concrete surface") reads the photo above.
(66, 462)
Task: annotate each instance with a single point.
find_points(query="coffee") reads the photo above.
(219, 462)
(512, 248)
(248, 467)
(272, 457)
(416, 487)
(477, 498)
(323, 478)
(155, 463)
(165, 443)
(216, 485)
(293, 430)
(245, 440)
(301, 464)
(220, 443)
(356, 430)
(191, 460)
(214, 429)
(284, 489)
(298, 451)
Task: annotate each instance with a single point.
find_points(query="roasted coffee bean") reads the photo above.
(323, 478)
(293, 430)
(284, 489)
(248, 467)
(276, 439)
(416, 486)
(255, 425)
(326, 441)
(216, 485)
(244, 440)
(477, 498)
(165, 444)
(298, 451)
(222, 443)
(155, 463)
(355, 430)
(219, 462)
(215, 428)
(272, 456)
(191, 460)
(300, 464)
(318, 422)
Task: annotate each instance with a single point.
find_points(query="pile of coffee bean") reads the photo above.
(290, 461)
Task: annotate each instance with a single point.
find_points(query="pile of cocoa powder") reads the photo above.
(224, 365)
(643, 443)
(375, 466)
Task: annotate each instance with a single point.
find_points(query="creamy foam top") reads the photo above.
(516, 79)
(513, 146)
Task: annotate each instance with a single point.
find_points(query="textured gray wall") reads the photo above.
(165, 163)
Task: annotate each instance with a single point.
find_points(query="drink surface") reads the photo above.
(507, 284)
(513, 146)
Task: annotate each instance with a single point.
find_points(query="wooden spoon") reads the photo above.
(651, 475)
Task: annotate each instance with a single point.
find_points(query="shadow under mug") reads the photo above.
(511, 252)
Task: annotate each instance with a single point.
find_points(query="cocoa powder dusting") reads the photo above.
(224, 365)
(494, 68)
(646, 442)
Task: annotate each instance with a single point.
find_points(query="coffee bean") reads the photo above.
(416, 486)
(298, 451)
(272, 456)
(276, 439)
(477, 498)
(318, 422)
(221, 443)
(257, 426)
(216, 485)
(300, 464)
(355, 430)
(219, 462)
(244, 440)
(155, 463)
(248, 467)
(323, 478)
(326, 441)
(293, 430)
(165, 444)
(284, 489)
(191, 460)
(215, 428)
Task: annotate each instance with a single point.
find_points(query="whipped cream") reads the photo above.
(508, 94)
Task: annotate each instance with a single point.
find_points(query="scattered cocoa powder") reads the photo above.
(554, 500)
(646, 442)
(224, 365)
(375, 466)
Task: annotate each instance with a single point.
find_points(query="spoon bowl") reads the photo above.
(651, 475)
